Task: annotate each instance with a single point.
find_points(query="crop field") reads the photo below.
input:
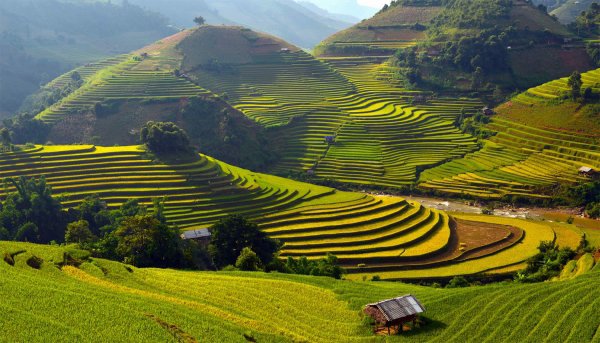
(108, 301)
(384, 135)
(381, 137)
(542, 157)
(554, 89)
(127, 77)
(381, 35)
(369, 233)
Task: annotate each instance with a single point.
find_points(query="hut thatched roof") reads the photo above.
(398, 308)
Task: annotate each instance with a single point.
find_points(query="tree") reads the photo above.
(477, 78)
(32, 203)
(79, 232)
(144, 241)
(575, 83)
(231, 235)
(199, 20)
(5, 137)
(165, 137)
(248, 261)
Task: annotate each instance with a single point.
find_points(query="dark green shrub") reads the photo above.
(35, 262)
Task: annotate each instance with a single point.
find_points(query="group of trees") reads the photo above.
(588, 22)
(132, 233)
(31, 213)
(546, 264)
(165, 138)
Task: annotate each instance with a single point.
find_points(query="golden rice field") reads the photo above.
(106, 301)
(370, 234)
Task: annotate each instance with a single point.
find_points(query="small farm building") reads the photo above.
(587, 171)
(202, 235)
(395, 312)
(487, 111)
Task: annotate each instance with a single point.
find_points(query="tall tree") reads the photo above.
(199, 20)
(575, 83)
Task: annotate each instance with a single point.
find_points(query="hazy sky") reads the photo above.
(358, 8)
(373, 3)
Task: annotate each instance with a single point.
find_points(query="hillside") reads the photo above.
(555, 136)
(383, 34)
(276, 104)
(119, 95)
(370, 234)
(570, 9)
(514, 44)
(41, 39)
(99, 300)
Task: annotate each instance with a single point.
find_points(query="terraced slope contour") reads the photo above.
(368, 233)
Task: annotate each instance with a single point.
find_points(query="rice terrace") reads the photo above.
(428, 172)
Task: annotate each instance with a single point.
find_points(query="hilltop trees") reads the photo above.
(199, 20)
(165, 138)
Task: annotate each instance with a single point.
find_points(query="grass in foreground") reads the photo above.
(108, 301)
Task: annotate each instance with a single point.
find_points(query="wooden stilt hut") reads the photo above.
(395, 312)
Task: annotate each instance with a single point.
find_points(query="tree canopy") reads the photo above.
(164, 138)
(231, 235)
(31, 213)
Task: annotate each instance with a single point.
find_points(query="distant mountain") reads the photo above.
(347, 7)
(568, 11)
(299, 24)
(40, 39)
(325, 13)
(516, 44)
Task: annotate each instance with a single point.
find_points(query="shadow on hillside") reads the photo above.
(431, 325)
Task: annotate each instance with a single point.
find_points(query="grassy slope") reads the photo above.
(102, 301)
(568, 11)
(392, 25)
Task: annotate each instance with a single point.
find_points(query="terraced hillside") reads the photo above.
(101, 300)
(382, 134)
(146, 75)
(538, 141)
(558, 88)
(369, 233)
(390, 30)
(377, 128)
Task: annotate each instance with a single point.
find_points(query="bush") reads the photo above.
(248, 261)
(458, 282)
(9, 259)
(35, 262)
(79, 232)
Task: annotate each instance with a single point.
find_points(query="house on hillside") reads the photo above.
(488, 111)
(285, 50)
(330, 139)
(419, 99)
(395, 312)
(587, 171)
(202, 236)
